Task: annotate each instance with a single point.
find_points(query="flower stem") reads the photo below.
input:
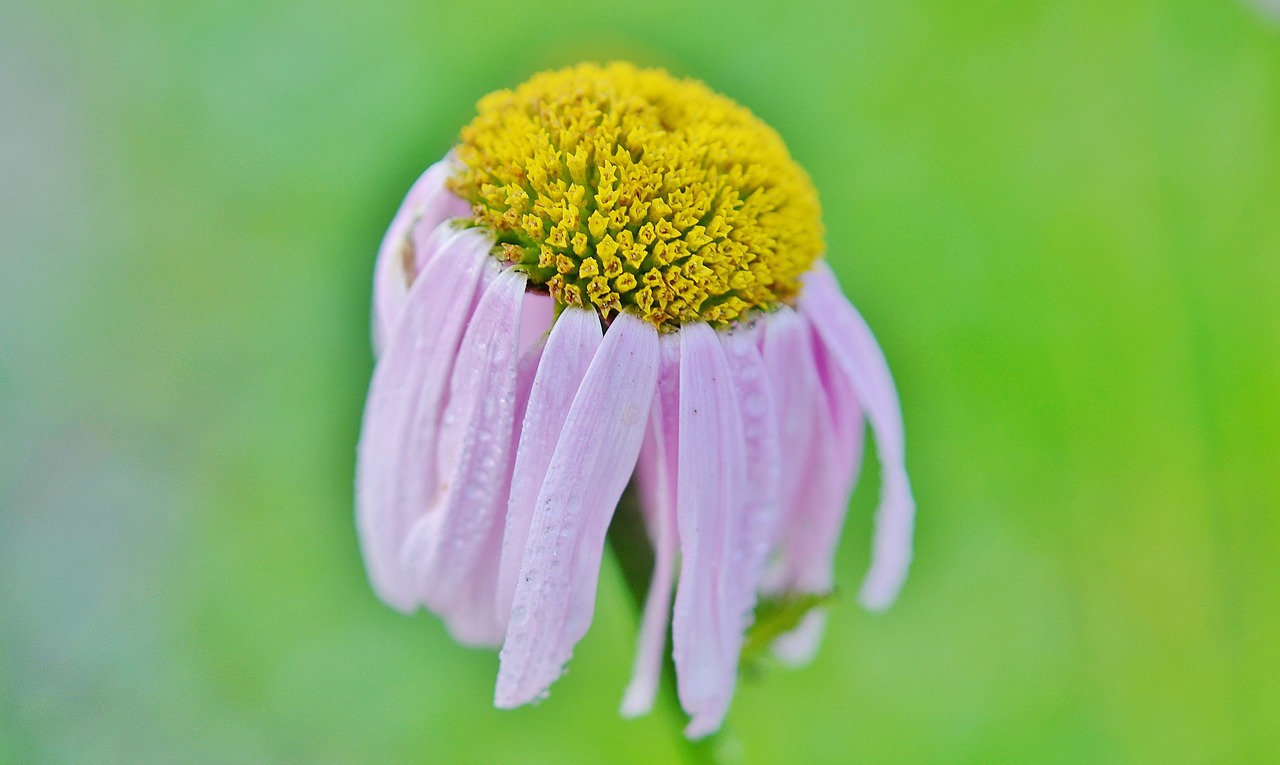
(634, 554)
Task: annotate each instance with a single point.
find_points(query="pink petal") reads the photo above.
(573, 342)
(854, 350)
(793, 372)
(822, 430)
(440, 208)
(822, 452)
(404, 403)
(401, 255)
(470, 619)
(757, 517)
(535, 319)
(656, 480)
(737, 560)
(711, 482)
(478, 617)
(816, 512)
(593, 460)
(445, 549)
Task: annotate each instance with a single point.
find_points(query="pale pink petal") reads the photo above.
(788, 354)
(445, 550)
(758, 515)
(815, 526)
(854, 350)
(470, 618)
(593, 460)
(403, 407)
(478, 617)
(710, 486)
(443, 206)
(797, 393)
(572, 344)
(814, 523)
(535, 319)
(656, 481)
(402, 254)
(822, 428)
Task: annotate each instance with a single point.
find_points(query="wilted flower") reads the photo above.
(616, 275)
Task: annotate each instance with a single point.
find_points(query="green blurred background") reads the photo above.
(1062, 219)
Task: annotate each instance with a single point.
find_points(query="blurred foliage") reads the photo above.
(1060, 218)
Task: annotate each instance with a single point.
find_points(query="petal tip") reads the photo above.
(636, 702)
(878, 593)
(703, 725)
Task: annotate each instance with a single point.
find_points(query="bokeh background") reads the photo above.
(1062, 219)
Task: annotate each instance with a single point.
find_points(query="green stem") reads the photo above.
(635, 556)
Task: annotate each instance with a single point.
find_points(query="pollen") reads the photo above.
(627, 189)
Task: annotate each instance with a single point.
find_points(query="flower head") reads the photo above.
(619, 188)
(615, 277)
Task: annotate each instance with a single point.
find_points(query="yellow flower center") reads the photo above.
(627, 189)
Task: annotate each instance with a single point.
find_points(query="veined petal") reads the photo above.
(401, 255)
(438, 209)
(403, 407)
(822, 503)
(570, 347)
(854, 350)
(479, 617)
(710, 486)
(822, 430)
(593, 460)
(445, 549)
(656, 480)
(788, 355)
(758, 515)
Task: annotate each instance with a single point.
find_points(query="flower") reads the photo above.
(616, 275)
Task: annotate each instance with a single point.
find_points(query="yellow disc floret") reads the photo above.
(627, 189)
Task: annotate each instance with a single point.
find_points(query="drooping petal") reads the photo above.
(820, 455)
(855, 351)
(709, 491)
(471, 618)
(656, 479)
(788, 355)
(758, 514)
(445, 548)
(402, 254)
(404, 404)
(827, 459)
(592, 462)
(822, 431)
(570, 347)
(478, 617)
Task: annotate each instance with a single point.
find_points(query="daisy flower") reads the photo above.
(615, 277)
